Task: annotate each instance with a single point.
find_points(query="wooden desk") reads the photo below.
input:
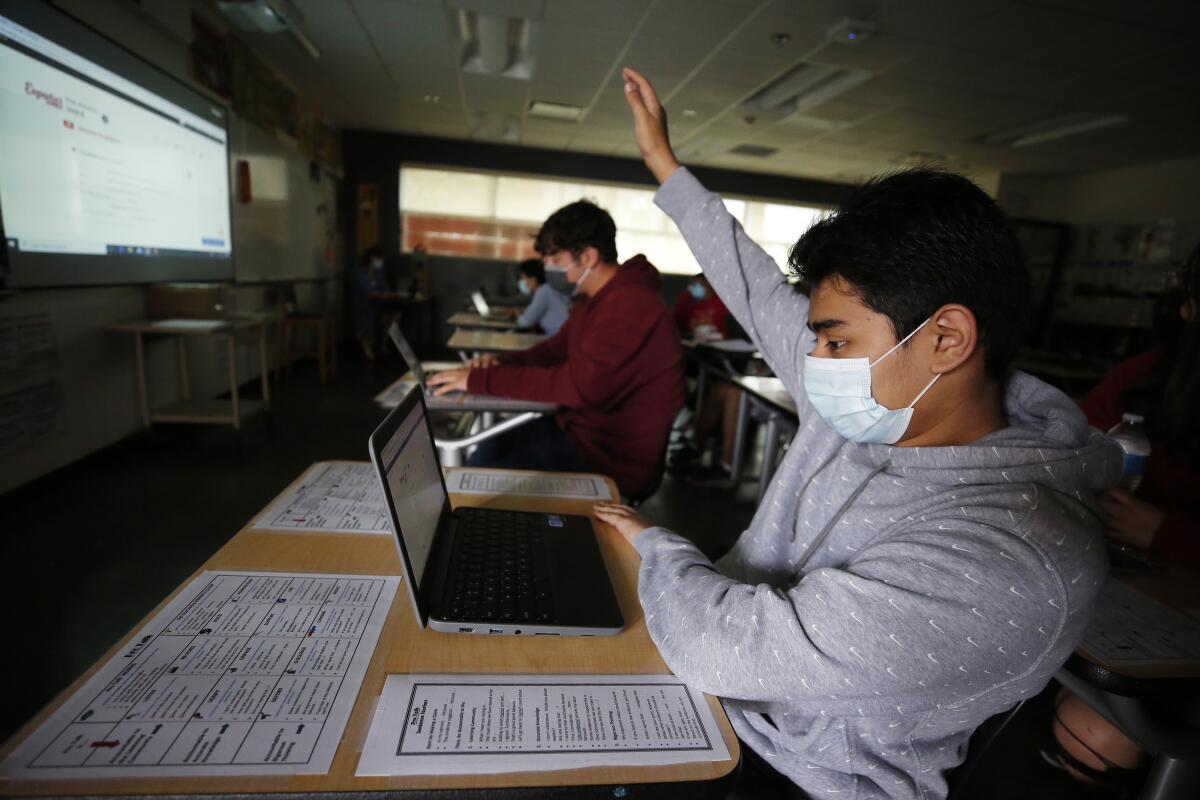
(483, 341)
(773, 401)
(405, 648)
(470, 319)
(199, 411)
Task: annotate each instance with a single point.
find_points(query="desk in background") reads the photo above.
(484, 341)
(471, 319)
(405, 648)
(773, 402)
(199, 411)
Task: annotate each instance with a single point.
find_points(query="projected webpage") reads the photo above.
(92, 163)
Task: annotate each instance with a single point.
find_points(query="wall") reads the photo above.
(91, 398)
(1165, 190)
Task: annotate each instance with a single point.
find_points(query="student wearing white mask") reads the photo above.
(930, 549)
(548, 307)
(367, 283)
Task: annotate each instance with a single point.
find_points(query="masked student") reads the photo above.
(548, 307)
(615, 367)
(930, 549)
(367, 284)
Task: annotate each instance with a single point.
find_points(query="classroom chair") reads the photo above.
(324, 332)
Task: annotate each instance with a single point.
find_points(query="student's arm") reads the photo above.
(772, 311)
(536, 309)
(899, 624)
(593, 374)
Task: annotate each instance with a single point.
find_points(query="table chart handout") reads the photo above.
(468, 724)
(240, 674)
(331, 497)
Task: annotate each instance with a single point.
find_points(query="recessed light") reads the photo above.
(780, 39)
(433, 98)
(689, 112)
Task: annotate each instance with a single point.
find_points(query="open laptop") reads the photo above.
(485, 310)
(410, 358)
(485, 570)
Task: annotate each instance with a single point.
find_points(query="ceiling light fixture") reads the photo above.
(560, 111)
(851, 31)
(1051, 129)
(492, 44)
(805, 87)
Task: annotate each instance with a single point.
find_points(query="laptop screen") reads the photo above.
(414, 482)
(481, 305)
(407, 353)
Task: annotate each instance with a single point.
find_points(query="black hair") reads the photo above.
(577, 226)
(534, 268)
(910, 242)
(372, 252)
(1169, 394)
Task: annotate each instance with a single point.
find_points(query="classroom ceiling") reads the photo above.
(942, 75)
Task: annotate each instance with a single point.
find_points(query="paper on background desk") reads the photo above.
(530, 484)
(1130, 627)
(484, 724)
(331, 497)
(242, 673)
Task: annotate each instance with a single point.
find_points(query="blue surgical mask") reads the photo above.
(698, 290)
(840, 391)
(522, 286)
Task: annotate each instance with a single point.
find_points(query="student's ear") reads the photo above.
(589, 257)
(957, 334)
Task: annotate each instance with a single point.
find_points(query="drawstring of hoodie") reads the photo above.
(820, 539)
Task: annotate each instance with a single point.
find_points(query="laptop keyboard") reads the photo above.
(500, 569)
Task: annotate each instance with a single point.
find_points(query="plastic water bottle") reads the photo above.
(1131, 435)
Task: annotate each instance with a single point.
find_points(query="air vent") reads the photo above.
(805, 87)
(754, 150)
(545, 110)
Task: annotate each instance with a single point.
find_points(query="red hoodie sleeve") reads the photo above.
(594, 373)
(549, 351)
(1103, 406)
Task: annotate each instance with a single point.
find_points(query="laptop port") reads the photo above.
(465, 630)
(495, 630)
(541, 633)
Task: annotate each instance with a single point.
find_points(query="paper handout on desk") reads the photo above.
(484, 724)
(473, 480)
(331, 497)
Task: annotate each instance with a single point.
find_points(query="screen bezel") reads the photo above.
(23, 269)
(377, 441)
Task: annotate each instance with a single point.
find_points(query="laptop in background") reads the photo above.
(485, 570)
(485, 310)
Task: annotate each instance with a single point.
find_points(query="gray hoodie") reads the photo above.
(885, 600)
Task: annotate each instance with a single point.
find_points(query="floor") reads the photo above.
(160, 503)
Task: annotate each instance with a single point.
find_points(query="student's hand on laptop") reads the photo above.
(451, 380)
(628, 522)
(649, 124)
(485, 360)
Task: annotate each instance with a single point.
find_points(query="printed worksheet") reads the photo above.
(241, 674)
(331, 497)
(470, 480)
(479, 724)
(1131, 627)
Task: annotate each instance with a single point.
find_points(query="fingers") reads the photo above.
(637, 85)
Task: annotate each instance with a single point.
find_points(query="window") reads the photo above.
(486, 215)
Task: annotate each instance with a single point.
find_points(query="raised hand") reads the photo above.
(649, 124)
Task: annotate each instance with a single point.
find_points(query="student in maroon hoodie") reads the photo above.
(615, 367)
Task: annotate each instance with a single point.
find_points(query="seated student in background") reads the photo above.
(548, 307)
(367, 282)
(929, 551)
(1163, 516)
(1163, 386)
(699, 313)
(615, 366)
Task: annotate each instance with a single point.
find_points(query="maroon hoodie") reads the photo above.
(616, 367)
